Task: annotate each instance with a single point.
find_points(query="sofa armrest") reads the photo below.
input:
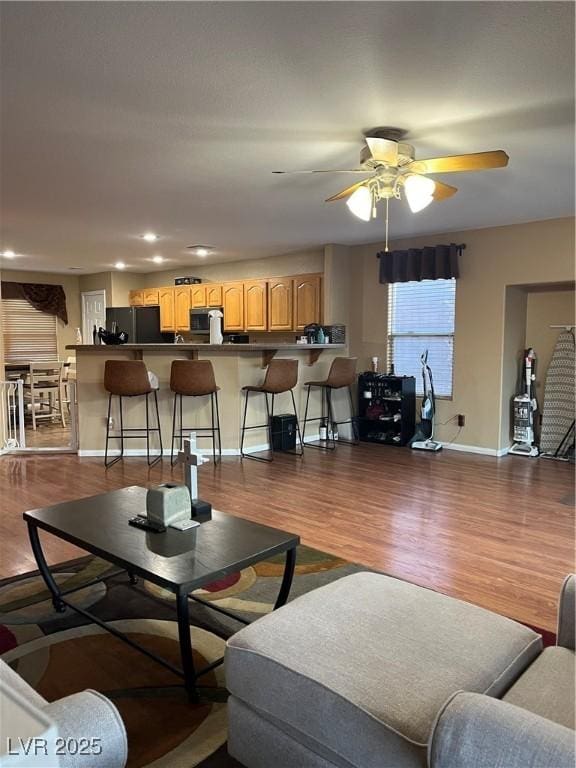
(476, 731)
(567, 614)
(92, 717)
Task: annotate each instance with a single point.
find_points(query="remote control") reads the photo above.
(185, 525)
(146, 525)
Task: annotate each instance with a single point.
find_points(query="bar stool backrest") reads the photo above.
(126, 378)
(192, 378)
(281, 376)
(342, 372)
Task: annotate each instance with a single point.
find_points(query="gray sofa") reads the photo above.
(373, 672)
(84, 715)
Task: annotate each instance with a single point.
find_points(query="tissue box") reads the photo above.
(168, 503)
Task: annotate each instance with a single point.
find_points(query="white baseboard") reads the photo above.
(476, 449)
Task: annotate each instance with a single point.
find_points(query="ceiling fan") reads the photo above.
(396, 173)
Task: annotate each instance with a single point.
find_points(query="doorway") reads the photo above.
(93, 313)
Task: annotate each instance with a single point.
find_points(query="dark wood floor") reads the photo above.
(499, 533)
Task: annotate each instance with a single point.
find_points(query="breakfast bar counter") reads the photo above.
(235, 366)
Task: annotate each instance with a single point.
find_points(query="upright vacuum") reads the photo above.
(424, 437)
(525, 407)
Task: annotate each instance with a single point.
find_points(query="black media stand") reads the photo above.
(386, 408)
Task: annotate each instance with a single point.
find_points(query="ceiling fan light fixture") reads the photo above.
(419, 192)
(360, 203)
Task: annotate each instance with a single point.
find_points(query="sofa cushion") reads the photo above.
(372, 655)
(547, 687)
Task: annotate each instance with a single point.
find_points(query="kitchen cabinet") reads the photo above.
(213, 295)
(151, 298)
(233, 305)
(280, 304)
(255, 305)
(136, 298)
(198, 296)
(167, 309)
(182, 307)
(307, 301)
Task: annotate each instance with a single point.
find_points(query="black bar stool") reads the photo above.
(195, 378)
(129, 378)
(342, 374)
(281, 376)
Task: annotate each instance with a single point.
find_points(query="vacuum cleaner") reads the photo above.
(424, 438)
(525, 407)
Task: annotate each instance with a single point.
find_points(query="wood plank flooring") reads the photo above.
(496, 532)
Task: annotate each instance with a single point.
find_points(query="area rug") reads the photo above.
(59, 654)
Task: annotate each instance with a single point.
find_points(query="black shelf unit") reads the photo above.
(386, 408)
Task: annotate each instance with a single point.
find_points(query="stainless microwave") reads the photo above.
(200, 320)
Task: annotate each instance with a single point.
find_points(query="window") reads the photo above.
(420, 318)
(28, 333)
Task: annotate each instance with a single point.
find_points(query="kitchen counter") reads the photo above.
(235, 366)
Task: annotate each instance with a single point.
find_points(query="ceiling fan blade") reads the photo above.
(443, 191)
(383, 150)
(351, 170)
(346, 192)
(479, 161)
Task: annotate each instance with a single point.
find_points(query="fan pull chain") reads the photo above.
(386, 243)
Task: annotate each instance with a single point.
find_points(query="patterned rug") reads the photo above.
(59, 654)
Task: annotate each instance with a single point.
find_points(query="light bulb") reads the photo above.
(120, 265)
(8, 254)
(419, 192)
(150, 237)
(360, 203)
(202, 252)
(157, 259)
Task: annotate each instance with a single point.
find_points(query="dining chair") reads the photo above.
(45, 380)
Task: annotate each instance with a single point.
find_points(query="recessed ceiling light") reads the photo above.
(8, 254)
(120, 265)
(158, 259)
(150, 237)
(199, 250)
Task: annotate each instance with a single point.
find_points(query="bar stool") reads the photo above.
(194, 378)
(129, 378)
(281, 376)
(342, 374)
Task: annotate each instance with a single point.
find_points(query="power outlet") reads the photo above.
(461, 420)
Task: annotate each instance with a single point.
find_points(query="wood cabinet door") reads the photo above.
(167, 314)
(307, 306)
(136, 298)
(280, 304)
(233, 304)
(256, 305)
(198, 296)
(214, 295)
(182, 307)
(151, 298)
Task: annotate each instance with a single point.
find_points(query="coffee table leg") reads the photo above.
(44, 570)
(186, 646)
(286, 578)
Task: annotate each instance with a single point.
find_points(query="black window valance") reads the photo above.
(46, 298)
(435, 262)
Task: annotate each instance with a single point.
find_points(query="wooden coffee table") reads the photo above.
(179, 561)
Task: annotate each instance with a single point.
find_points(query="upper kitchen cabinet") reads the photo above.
(233, 306)
(280, 304)
(182, 307)
(136, 298)
(307, 301)
(151, 297)
(213, 295)
(255, 305)
(167, 309)
(197, 296)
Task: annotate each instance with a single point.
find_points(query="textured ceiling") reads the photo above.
(122, 117)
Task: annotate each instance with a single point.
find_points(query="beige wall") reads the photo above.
(535, 253)
(338, 268)
(546, 308)
(513, 346)
(70, 284)
(298, 263)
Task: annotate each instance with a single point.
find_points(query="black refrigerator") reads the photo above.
(142, 324)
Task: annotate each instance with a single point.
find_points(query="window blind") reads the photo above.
(420, 318)
(29, 335)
